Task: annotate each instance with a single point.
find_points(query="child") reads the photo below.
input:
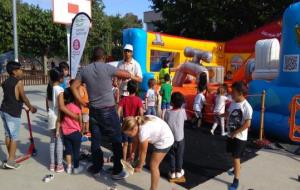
(175, 119)
(164, 71)
(199, 103)
(151, 97)
(219, 110)
(239, 120)
(130, 106)
(65, 69)
(11, 110)
(165, 92)
(85, 110)
(72, 134)
(57, 106)
(150, 129)
(116, 90)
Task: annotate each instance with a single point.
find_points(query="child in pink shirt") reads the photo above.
(71, 130)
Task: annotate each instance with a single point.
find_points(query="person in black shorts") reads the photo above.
(238, 122)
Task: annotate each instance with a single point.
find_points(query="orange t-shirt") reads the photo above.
(85, 98)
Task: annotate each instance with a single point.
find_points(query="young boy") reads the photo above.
(239, 120)
(65, 68)
(165, 92)
(199, 103)
(151, 97)
(130, 106)
(85, 110)
(11, 110)
(175, 119)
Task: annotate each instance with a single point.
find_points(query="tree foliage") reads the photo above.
(215, 19)
(39, 36)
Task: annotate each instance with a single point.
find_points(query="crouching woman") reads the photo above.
(150, 129)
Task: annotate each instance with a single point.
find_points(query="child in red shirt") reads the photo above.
(130, 106)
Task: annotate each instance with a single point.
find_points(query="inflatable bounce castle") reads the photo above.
(281, 90)
(256, 58)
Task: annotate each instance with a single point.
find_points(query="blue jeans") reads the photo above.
(11, 126)
(105, 121)
(165, 106)
(151, 110)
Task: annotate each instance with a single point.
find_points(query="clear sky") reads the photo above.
(112, 7)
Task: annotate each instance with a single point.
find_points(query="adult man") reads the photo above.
(132, 66)
(103, 117)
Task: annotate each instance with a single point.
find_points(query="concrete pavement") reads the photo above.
(269, 170)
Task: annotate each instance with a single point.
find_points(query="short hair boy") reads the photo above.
(11, 110)
(239, 120)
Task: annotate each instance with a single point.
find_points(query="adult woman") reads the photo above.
(150, 129)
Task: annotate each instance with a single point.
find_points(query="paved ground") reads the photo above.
(269, 170)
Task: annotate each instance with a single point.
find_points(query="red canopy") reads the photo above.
(246, 43)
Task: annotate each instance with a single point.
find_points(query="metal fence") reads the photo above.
(29, 80)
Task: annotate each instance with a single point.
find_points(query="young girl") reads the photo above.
(219, 110)
(71, 130)
(150, 129)
(151, 97)
(55, 107)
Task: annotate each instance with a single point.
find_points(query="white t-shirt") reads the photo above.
(157, 132)
(53, 107)
(220, 104)
(239, 112)
(199, 102)
(134, 68)
(151, 97)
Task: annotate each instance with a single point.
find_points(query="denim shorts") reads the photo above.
(165, 150)
(165, 106)
(11, 126)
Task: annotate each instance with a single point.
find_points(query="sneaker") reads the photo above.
(52, 167)
(78, 170)
(172, 175)
(224, 134)
(69, 170)
(180, 174)
(60, 168)
(48, 178)
(212, 132)
(122, 175)
(12, 165)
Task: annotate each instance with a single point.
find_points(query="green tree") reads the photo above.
(100, 33)
(214, 19)
(37, 35)
(118, 24)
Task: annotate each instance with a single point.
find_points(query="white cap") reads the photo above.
(128, 47)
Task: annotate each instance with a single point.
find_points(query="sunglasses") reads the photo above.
(127, 51)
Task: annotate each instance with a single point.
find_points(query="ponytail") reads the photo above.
(131, 122)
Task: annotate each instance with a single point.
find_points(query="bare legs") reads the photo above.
(11, 146)
(156, 159)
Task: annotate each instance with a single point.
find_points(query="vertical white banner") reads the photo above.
(79, 32)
